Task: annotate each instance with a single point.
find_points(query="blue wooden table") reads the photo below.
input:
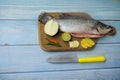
(21, 58)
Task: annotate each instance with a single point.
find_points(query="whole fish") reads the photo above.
(80, 26)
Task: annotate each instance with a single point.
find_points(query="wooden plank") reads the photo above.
(32, 12)
(20, 32)
(32, 58)
(104, 74)
(27, 59)
(84, 3)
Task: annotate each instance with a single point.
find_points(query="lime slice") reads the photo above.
(66, 36)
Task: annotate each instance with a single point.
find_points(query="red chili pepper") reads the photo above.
(53, 41)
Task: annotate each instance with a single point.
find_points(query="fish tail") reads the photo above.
(44, 17)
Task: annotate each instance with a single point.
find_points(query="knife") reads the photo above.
(72, 58)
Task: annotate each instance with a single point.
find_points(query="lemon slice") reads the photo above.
(90, 41)
(87, 43)
(83, 43)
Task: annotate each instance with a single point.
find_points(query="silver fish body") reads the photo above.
(80, 26)
(83, 27)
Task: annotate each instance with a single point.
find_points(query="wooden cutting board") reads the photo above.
(65, 45)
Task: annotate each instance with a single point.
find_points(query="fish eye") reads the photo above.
(108, 27)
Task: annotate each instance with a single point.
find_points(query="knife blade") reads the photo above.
(73, 58)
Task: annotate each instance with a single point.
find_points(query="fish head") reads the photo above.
(105, 29)
(44, 17)
(112, 31)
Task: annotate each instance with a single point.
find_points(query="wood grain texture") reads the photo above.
(85, 3)
(21, 57)
(32, 58)
(32, 12)
(105, 74)
(25, 32)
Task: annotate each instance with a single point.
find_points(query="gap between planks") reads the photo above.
(36, 19)
(107, 68)
(39, 44)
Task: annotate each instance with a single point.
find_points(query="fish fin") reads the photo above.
(68, 16)
(64, 16)
(86, 15)
(74, 16)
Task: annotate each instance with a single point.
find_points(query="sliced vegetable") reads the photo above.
(90, 41)
(74, 44)
(66, 36)
(87, 43)
(53, 42)
(71, 44)
(83, 43)
(51, 28)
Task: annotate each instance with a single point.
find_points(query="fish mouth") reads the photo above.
(87, 35)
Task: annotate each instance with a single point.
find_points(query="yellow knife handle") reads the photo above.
(92, 59)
